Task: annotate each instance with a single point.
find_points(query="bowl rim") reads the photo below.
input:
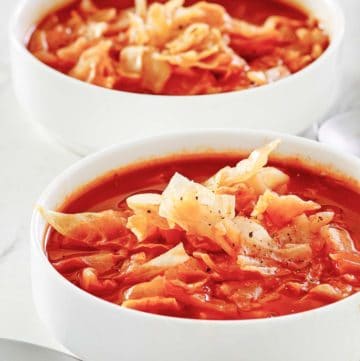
(36, 237)
(335, 43)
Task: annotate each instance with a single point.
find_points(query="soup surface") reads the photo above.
(169, 48)
(211, 237)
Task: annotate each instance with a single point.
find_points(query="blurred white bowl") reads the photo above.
(97, 330)
(86, 117)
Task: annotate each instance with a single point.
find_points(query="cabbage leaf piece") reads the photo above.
(328, 292)
(88, 227)
(155, 304)
(267, 178)
(300, 253)
(156, 266)
(228, 179)
(196, 209)
(305, 229)
(153, 288)
(90, 281)
(146, 219)
(337, 239)
(252, 264)
(174, 257)
(249, 236)
(281, 209)
(341, 248)
(101, 262)
(346, 262)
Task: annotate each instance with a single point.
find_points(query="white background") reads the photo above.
(29, 160)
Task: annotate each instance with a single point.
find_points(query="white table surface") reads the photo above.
(29, 160)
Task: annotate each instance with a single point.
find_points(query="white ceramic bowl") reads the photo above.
(87, 117)
(96, 330)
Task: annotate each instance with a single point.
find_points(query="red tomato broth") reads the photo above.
(262, 53)
(111, 191)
